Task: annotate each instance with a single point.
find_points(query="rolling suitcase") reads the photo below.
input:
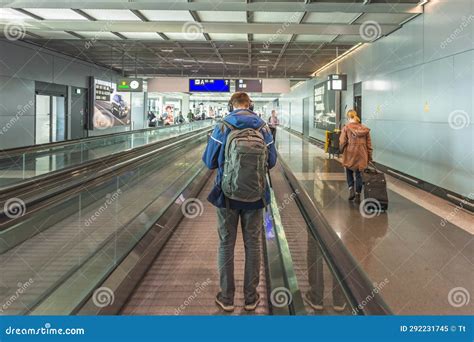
(375, 187)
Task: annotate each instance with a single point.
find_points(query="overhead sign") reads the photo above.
(130, 85)
(254, 86)
(337, 82)
(209, 85)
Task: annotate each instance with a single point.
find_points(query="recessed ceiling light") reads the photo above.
(262, 66)
(167, 50)
(178, 59)
(265, 51)
(263, 60)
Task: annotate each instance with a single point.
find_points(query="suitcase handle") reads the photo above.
(372, 168)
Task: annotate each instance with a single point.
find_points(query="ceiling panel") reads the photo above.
(228, 37)
(229, 16)
(271, 38)
(313, 38)
(7, 14)
(330, 18)
(142, 35)
(55, 13)
(167, 15)
(276, 17)
(107, 14)
(183, 36)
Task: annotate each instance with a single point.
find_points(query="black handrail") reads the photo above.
(32, 148)
(133, 156)
(354, 281)
(75, 168)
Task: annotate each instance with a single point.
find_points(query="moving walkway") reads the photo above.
(137, 236)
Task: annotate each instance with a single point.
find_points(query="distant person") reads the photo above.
(356, 147)
(180, 118)
(203, 116)
(240, 192)
(190, 116)
(273, 122)
(151, 117)
(169, 119)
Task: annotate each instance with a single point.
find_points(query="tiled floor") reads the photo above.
(425, 262)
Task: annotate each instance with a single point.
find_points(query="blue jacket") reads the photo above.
(214, 156)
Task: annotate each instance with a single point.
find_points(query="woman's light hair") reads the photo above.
(352, 114)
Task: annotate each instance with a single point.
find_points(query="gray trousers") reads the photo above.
(251, 222)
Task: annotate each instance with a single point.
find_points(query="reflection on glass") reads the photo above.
(16, 167)
(325, 290)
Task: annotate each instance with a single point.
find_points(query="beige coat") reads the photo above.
(356, 145)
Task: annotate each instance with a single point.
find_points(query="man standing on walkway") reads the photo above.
(241, 148)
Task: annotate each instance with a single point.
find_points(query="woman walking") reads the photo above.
(356, 147)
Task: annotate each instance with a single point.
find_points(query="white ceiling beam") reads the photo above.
(271, 6)
(217, 27)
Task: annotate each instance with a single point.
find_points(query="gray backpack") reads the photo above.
(245, 167)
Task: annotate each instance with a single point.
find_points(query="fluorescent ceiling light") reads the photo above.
(337, 59)
(265, 51)
(167, 50)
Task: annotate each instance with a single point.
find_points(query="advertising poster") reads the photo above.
(324, 107)
(111, 108)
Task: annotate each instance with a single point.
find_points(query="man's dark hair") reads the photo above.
(240, 99)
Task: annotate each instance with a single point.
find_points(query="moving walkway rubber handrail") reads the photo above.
(282, 285)
(136, 155)
(354, 281)
(32, 148)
